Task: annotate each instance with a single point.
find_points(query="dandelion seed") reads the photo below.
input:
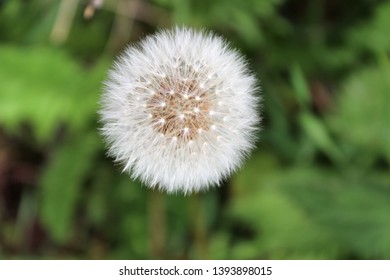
(184, 152)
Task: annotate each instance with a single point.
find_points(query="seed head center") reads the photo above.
(179, 108)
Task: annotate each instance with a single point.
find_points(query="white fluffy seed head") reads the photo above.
(200, 122)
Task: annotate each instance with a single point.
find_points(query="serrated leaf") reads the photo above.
(44, 88)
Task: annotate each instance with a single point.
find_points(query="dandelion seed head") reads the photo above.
(170, 107)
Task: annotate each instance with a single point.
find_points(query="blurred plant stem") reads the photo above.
(63, 22)
(157, 221)
(122, 27)
(199, 226)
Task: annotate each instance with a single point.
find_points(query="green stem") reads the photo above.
(199, 226)
(157, 221)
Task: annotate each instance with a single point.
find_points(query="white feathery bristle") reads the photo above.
(179, 110)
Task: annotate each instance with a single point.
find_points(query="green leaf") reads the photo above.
(354, 210)
(363, 116)
(44, 88)
(318, 134)
(374, 34)
(311, 213)
(61, 184)
(300, 86)
(283, 229)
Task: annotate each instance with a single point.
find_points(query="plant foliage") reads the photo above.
(317, 186)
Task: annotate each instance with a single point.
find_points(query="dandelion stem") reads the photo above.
(157, 224)
(199, 226)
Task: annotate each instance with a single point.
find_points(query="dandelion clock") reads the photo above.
(179, 110)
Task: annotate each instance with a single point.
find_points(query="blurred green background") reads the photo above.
(317, 186)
